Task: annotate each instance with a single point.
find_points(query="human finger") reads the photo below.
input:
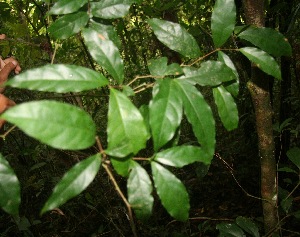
(15, 62)
(6, 70)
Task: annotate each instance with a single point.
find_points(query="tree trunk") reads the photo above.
(260, 93)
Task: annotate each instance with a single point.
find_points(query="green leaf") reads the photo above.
(174, 69)
(111, 9)
(211, 73)
(73, 182)
(59, 78)
(54, 123)
(227, 108)
(175, 37)
(159, 67)
(225, 59)
(126, 130)
(248, 225)
(122, 166)
(171, 192)
(285, 124)
(107, 31)
(10, 197)
(231, 86)
(105, 52)
(286, 204)
(165, 112)
(230, 230)
(267, 39)
(139, 188)
(144, 109)
(66, 6)
(201, 170)
(294, 155)
(200, 116)
(128, 91)
(263, 61)
(222, 21)
(68, 25)
(296, 214)
(287, 169)
(180, 156)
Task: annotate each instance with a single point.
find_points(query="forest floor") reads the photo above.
(217, 197)
(229, 189)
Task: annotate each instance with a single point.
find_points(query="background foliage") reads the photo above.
(144, 38)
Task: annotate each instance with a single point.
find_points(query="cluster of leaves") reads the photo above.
(174, 94)
(241, 226)
(286, 197)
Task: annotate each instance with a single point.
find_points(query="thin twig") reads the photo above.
(294, 189)
(141, 158)
(144, 88)
(235, 179)
(119, 191)
(54, 53)
(203, 218)
(277, 227)
(7, 132)
(105, 165)
(141, 77)
(206, 55)
(203, 57)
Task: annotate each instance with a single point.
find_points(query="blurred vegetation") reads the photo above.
(219, 194)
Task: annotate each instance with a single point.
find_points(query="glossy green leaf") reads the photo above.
(158, 67)
(171, 192)
(222, 21)
(144, 109)
(59, 78)
(211, 73)
(294, 155)
(165, 112)
(225, 59)
(139, 188)
(231, 86)
(54, 123)
(238, 29)
(267, 39)
(122, 166)
(10, 197)
(73, 182)
(128, 91)
(200, 116)
(66, 6)
(111, 9)
(126, 130)
(230, 230)
(180, 156)
(68, 25)
(247, 225)
(107, 31)
(105, 52)
(175, 37)
(227, 108)
(263, 61)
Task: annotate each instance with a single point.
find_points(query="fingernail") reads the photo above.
(14, 63)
